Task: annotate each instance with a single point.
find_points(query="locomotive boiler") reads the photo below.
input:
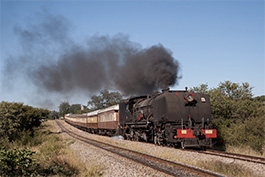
(168, 118)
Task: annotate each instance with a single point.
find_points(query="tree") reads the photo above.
(74, 108)
(230, 100)
(238, 118)
(203, 88)
(32, 117)
(10, 113)
(260, 98)
(104, 99)
(64, 108)
(16, 118)
(53, 115)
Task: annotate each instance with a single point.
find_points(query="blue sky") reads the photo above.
(213, 41)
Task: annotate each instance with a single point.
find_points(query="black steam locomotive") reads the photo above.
(168, 118)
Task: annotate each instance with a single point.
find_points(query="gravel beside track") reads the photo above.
(113, 164)
(117, 166)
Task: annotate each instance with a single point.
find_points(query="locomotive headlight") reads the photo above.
(183, 131)
(189, 97)
(208, 131)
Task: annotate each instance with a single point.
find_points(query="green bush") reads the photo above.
(17, 162)
(26, 139)
(58, 166)
(237, 116)
(16, 118)
(249, 132)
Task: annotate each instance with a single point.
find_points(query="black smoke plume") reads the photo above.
(112, 63)
(55, 63)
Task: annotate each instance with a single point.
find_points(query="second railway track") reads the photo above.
(242, 157)
(162, 165)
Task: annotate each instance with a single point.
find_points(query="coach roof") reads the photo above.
(111, 108)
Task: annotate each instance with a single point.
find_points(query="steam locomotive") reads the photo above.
(173, 118)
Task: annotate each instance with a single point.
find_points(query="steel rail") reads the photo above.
(235, 156)
(162, 165)
(242, 157)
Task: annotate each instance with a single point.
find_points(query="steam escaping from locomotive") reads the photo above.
(110, 63)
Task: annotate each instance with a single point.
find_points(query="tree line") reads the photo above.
(237, 115)
(103, 100)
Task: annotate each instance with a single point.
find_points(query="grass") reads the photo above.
(53, 154)
(246, 150)
(58, 159)
(229, 169)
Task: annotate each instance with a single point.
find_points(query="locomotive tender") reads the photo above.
(175, 118)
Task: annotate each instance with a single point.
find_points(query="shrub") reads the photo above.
(237, 116)
(16, 118)
(249, 132)
(17, 162)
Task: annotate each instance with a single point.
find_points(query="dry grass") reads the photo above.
(57, 159)
(50, 125)
(85, 169)
(92, 170)
(229, 169)
(245, 150)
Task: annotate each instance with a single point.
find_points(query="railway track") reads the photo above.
(242, 157)
(162, 165)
